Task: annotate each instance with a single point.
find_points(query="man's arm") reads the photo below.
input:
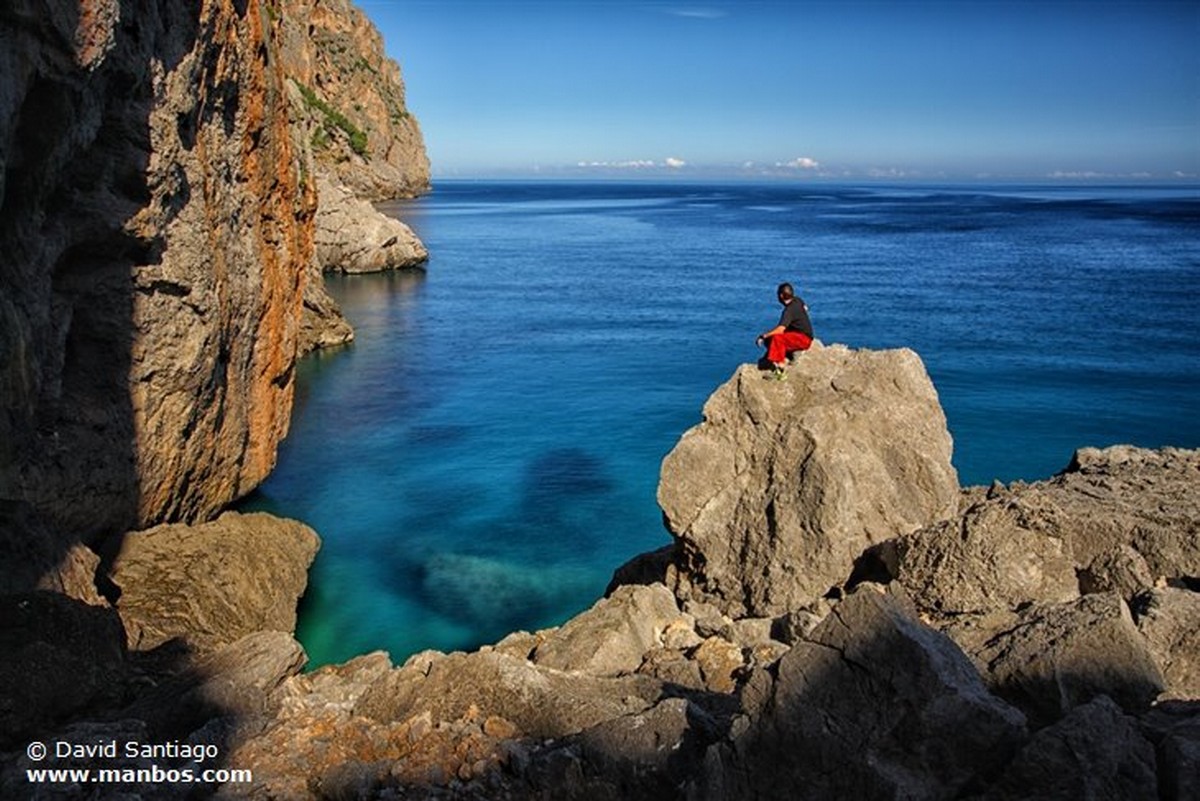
(779, 329)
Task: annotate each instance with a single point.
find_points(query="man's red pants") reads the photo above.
(780, 345)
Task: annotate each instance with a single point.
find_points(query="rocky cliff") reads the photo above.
(153, 244)
(170, 181)
(355, 134)
(351, 101)
(1008, 642)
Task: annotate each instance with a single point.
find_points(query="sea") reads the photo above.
(486, 452)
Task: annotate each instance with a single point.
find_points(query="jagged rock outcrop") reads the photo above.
(873, 705)
(613, 636)
(204, 584)
(1052, 658)
(1096, 751)
(1119, 519)
(991, 557)
(773, 497)
(1169, 619)
(154, 230)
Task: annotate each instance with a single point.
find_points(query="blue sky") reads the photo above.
(916, 90)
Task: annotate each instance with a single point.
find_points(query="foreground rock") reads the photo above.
(212, 584)
(59, 657)
(1169, 619)
(874, 705)
(979, 671)
(1052, 658)
(1094, 752)
(775, 495)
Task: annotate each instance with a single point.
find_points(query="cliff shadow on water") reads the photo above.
(115, 261)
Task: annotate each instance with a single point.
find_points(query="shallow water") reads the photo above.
(487, 451)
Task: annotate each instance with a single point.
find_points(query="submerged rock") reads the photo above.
(773, 497)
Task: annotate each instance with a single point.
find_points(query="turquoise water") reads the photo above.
(487, 451)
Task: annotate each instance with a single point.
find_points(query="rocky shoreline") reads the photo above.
(1029, 640)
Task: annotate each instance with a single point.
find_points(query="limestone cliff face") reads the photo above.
(154, 234)
(349, 101)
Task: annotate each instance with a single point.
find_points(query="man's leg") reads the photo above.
(780, 345)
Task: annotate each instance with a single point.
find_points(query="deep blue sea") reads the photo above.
(487, 451)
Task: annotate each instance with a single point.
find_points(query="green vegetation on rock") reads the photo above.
(333, 119)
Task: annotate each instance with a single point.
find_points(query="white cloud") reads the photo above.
(802, 163)
(633, 164)
(1073, 174)
(697, 12)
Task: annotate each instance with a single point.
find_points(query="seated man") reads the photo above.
(793, 333)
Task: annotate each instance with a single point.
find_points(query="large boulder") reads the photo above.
(784, 484)
(874, 705)
(214, 583)
(1095, 752)
(352, 237)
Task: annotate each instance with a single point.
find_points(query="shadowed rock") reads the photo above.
(58, 656)
(1169, 619)
(1054, 657)
(875, 705)
(1095, 752)
(214, 583)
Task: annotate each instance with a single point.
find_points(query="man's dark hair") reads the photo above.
(785, 291)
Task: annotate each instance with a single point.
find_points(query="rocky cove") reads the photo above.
(836, 617)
